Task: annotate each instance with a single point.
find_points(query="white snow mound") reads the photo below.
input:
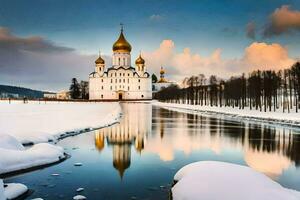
(211, 180)
(14, 190)
(14, 158)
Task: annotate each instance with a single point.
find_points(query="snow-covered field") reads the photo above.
(219, 180)
(277, 117)
(38, 123)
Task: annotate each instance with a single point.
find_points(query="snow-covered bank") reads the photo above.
(15, 157)
(219, 180)
(42, 122)
(292, 119)
(14, 190)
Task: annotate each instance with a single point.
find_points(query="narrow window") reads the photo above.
(120, 74)
(128, 74)
(101, 96)
(102, 87)
(110, 87)
(142, 96)
(111, 80)
(139, 87)
(128, 88)
(116, 81)
(102, 80)
(119, 61)
(139, 80)
(120, 80)
(123, 61)
(124, 80)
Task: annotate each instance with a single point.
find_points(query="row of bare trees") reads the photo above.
(261, 90)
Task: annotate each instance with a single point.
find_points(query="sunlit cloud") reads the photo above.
(283, 20)
(258, 55)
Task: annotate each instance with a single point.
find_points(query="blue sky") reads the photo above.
(201, 25)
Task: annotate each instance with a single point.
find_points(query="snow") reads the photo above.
(43, 122)
(17, 158)
(2, 197)
(212, 180)
(278, 116)
(79, 197)
(14, 190)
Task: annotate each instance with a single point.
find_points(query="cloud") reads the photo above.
(266, 56)
(38, 63)
(282, 20)
(156, 17)
(251, 30)
(179, 65)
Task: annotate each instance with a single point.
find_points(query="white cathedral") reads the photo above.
(120, 81)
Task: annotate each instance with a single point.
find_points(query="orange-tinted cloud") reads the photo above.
(282, 20)
(186, 63)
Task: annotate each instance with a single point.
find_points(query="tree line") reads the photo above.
(264, 90)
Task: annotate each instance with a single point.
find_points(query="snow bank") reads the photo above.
(212, 180)
(11, 190)
(14, 190)
(43, 122)
(2, 197)
(254, 115)
(15, 157)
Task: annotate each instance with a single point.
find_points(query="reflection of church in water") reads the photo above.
(131, 132)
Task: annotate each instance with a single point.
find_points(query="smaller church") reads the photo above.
(121, 81)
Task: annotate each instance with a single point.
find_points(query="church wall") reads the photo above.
(131, 87)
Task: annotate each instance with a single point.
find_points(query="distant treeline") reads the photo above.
(21, 91)
(261, 90)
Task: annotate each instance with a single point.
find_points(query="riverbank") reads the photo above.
(290, 119)
(37, 123)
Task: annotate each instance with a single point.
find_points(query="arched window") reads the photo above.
(119, 61)
(128, 80)
(101, 96)
(124, 61)
(139, 80)
(111, 80)
(142, 96)
(102, 87)
(128, 88)
(139, 87)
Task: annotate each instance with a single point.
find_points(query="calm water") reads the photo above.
(138, 158)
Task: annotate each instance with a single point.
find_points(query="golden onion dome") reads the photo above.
(99, 60)
(162, 71)
(121, 45)
(140, 60)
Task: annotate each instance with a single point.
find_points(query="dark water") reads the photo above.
(138, 158)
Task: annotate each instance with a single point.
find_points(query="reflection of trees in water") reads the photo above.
(252, 136)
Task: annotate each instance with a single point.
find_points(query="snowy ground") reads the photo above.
(292, 119)
(38, 123)
(218, 180)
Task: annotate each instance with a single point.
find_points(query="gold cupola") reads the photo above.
(121, 45)
(140, 60)
(99, 60)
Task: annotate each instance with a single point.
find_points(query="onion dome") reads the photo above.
(99, 60)
(162, 71)
(121, 45)
(140, 60)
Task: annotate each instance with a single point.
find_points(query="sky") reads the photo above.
(44, 43)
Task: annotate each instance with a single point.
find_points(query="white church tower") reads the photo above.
(120, 81)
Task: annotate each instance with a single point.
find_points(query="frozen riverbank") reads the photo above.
(38, 123)
(291, 119)
(219, 180)
(43, 122)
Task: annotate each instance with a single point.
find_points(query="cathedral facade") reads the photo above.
(121, 81)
